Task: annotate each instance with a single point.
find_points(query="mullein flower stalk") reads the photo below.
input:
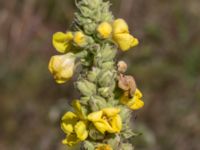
(102, 113)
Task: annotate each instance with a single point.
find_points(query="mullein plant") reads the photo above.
(101, 116)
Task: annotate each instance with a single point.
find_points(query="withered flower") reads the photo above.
(127, 83)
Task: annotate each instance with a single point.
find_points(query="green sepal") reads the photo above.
(95, 134)
(105, 78)
(129, 133)
(127, 146)
(104, 91)
(92, 75)
(86, 88)
(97, 103)
(88, 145)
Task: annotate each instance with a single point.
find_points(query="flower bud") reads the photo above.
(62, 41)
(108, 65)
(89, 28)
(105, 91)
(121, 66)
(105, 78)
(80, 39)
(86, 88)
(62, 67)
(104, 30)
(92, 75)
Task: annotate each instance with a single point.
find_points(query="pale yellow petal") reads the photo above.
(62, 67)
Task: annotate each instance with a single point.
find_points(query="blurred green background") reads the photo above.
(166, 66)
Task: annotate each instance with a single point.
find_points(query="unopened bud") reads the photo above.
(121, 66)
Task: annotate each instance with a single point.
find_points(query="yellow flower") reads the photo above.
(122, 36)
(74, 125)
(104, 30)
(107, 119)
(62, 41)
(133, 103)
(104, 147)
(62, 67)
(80, 39)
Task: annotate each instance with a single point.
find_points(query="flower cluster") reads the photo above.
(119, 32)
(100, 119)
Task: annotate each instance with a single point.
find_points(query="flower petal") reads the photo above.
(78, 108)
(138, 93)
(81, 131)
(61, 41)
(62, 67)
(111, 111)
(102, 126)
(80, 38)
(136, 105)
(68, 121)
(95, 116)
(71, 140)
(116, 123)
(125, 41)
(120, 26)
(105, 30)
